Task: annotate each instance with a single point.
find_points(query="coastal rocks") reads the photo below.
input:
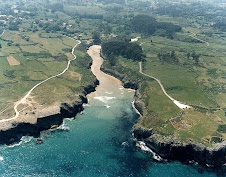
(139, 105)
(39, 141)
(66, 110)
(168, 147)
(126, 84)
(141, 133)
(91, 87)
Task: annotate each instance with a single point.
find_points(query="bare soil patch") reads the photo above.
(12, 61)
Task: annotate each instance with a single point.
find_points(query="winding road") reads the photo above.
(177, 103)
(193, 36)
(23, 100)
(2, 33)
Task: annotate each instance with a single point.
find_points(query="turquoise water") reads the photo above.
(98, 143)
(93, 147)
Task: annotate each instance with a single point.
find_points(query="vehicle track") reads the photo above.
(23, 100)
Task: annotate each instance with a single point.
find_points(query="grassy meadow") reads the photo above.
(40, 57)
(202, 85)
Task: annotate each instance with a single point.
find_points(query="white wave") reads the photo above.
(63, 127)
(86, 105)
(109, 93)
(16, 144)
(143, 147)
(24, 139)
(82, 112)
(104, 99)
(125, 143)
(69, 119)
(133, 105)
(1, 158)
(107, 106)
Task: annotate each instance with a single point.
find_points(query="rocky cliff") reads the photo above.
(167, 146)
(67, 110)
(172, 149)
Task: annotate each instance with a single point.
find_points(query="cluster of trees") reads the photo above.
(105, 28)
(168, 57)
(111, 49)
(14, 25)
(194, 56)
(96, 38)
(173, 59)
(56, 7)
(112, 1)
(49, 26)
(148, 25)
(221, 25)
(184, 10)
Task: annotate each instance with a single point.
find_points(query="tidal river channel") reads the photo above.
(96, 143)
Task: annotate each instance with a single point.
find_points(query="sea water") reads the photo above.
(96, 143)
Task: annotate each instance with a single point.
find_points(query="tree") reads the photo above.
(112, 59)
(195, 57)
(123, 48)
(188, 55)
(96, 38)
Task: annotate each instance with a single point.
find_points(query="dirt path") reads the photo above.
(2, 33)
(193, 35)
(177, 103)
(23, 100)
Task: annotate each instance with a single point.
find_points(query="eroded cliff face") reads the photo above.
(66, 110)
(167, 146)
(121, 77)
(172, 149)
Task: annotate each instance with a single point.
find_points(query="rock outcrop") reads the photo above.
(67, 110)
(167, 146)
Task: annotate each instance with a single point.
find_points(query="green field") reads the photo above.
(41, 48)
(202, 86)
(40, 57)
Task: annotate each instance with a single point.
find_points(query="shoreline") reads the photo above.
(64, 110)
(167, 147)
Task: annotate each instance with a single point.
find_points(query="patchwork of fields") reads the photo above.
(201, 86)
(27, 58)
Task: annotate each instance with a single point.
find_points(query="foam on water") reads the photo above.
(104, 99)
(143, 147)
(1, 158)
(24, 139)
(107, 106)
(109, 93)
(64, 127)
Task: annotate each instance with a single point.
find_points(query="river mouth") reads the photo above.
(97, 143)
(109, 88)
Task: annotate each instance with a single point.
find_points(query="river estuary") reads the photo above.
(97, 143)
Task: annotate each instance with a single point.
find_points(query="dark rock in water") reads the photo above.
(141, 133)
(83, 98)
(168, 147)
(53, 127)
(67, 110)
(39, 141)
(200, 170)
